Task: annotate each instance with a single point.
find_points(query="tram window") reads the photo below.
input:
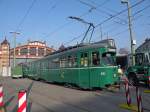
(146, 58)
(38, 65)
(139, 59)
(69, 61)
(42, 65)
(95, 58)
(47, 64)
(84, 59)
(74, 61)
(55, 62)
(108, 59)
(63, 62)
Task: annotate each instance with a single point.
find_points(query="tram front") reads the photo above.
(105, 66)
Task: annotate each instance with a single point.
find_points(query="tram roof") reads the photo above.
(103, 43)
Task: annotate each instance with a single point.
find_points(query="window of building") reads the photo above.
(11, 53)
(33, 51)
(23, 51)
(16, 52)
(41, 51)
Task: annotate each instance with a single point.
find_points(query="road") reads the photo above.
(45, 97)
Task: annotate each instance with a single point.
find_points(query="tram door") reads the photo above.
(84, 70)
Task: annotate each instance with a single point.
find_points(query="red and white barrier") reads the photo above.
(128, 97)
(139, 100)
(22, 101)
(1, 96)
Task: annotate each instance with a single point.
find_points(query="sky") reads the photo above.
(48, 20)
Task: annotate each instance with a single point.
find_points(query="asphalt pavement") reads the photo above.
(46, 97)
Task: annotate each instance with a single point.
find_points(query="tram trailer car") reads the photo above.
(86, 66)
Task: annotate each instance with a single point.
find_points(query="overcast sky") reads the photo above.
(47, 20)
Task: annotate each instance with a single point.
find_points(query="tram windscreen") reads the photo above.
(142, 59)
(108, 59)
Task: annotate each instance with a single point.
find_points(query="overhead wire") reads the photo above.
(26, 14)
(133, 19)
(101, 10)
(62, 26)
(68, 23)
(119, 13)
(53, 6)
(106, 20)
(148, 6)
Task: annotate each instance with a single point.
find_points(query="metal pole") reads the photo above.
(14, 49)
(101, 32)
(131, 35)
(14, 58)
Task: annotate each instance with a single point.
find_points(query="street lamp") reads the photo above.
(133, 42)
(14, 58)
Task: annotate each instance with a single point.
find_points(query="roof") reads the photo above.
(5, 42)
(36, 42)
(145, 46)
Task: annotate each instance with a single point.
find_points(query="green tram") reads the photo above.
(86, 66)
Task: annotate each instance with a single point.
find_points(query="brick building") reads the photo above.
(24, 53)
(31, 51)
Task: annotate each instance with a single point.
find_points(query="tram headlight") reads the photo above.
(120, 72)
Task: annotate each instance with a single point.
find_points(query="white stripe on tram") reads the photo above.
(81, 68)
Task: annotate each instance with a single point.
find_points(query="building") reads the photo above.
(145, 47)
(31, 51)
(5, 58)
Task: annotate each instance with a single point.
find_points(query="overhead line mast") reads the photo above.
(14, 58)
